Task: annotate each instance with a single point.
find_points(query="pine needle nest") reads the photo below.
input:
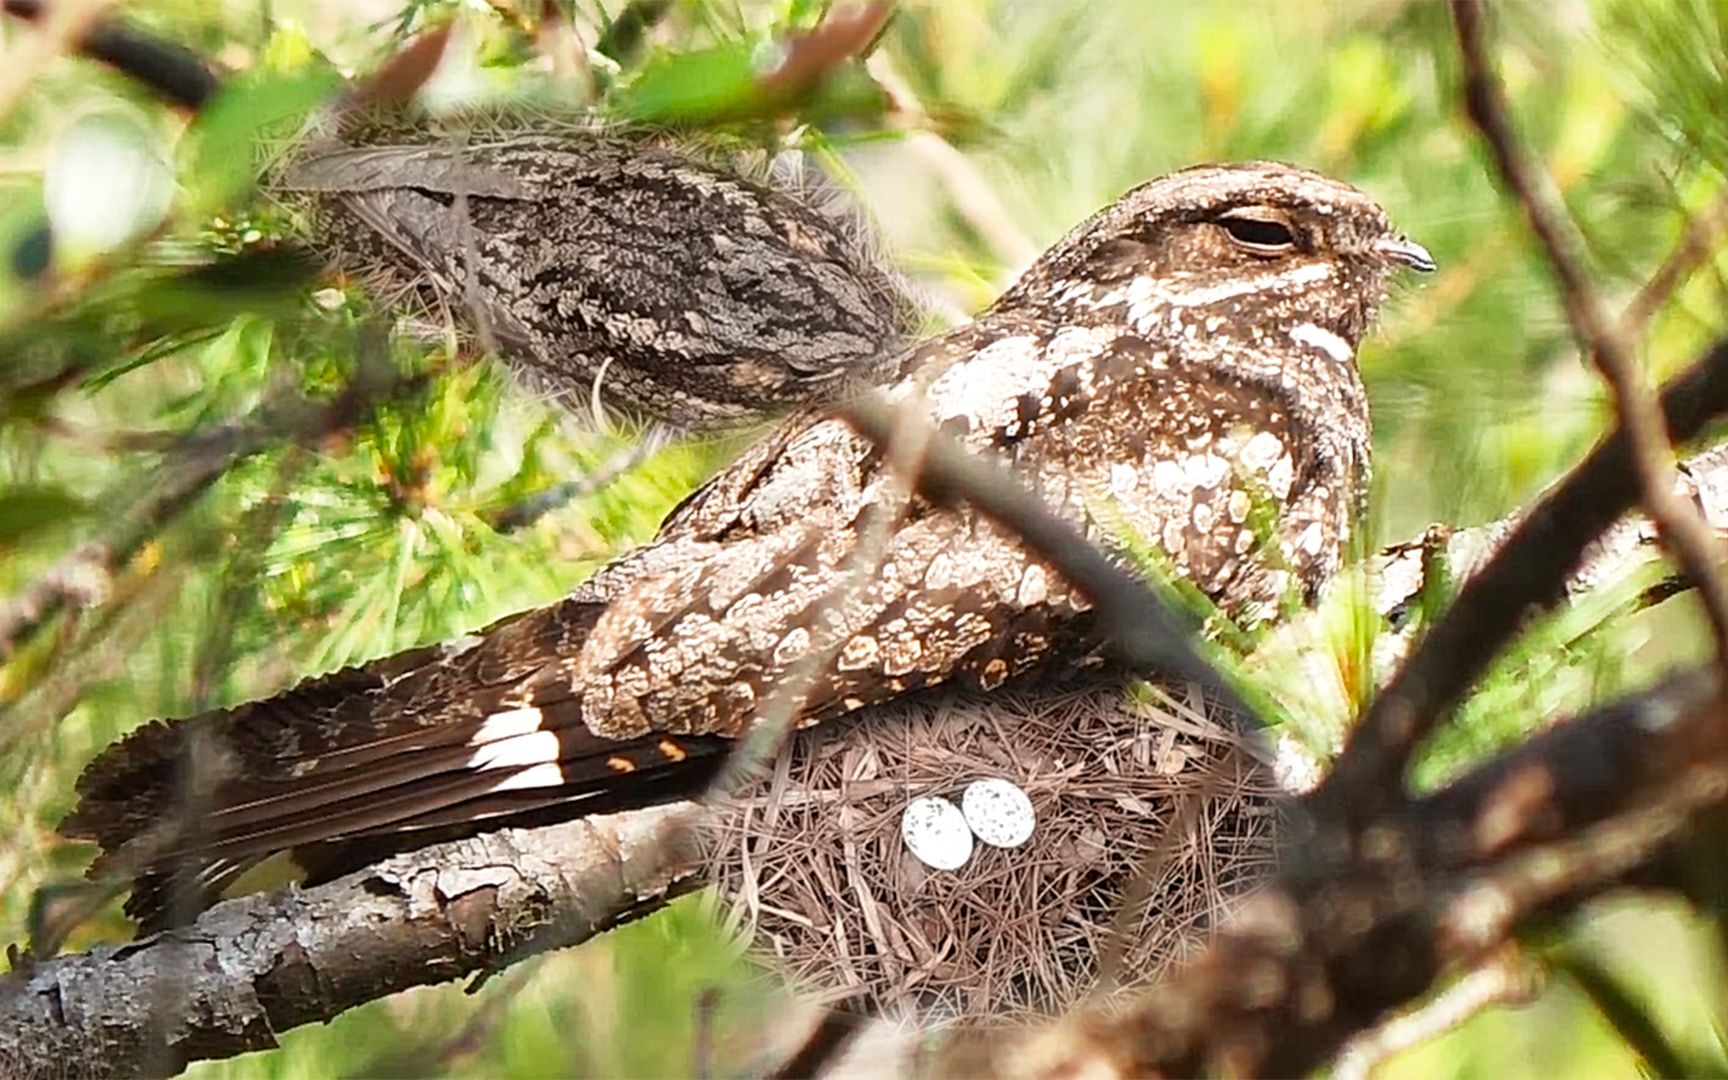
(1142, 796)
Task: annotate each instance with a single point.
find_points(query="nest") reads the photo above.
(1137, 794)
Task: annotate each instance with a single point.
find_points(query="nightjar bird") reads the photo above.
(1180, 367)
(669, 285)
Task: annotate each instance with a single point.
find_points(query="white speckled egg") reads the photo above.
(999, 813)
(935, 831)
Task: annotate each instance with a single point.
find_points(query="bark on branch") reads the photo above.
(255, 966)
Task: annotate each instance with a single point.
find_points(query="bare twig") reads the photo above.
(807, 57)
(527, 511)
(398, 79)
(1602, 337)
(1119, 934)
(1503, 980)
(1701, 238)
(906, 439)
(833, 1032)
(1527, 575)
(966, 187)
(1630, 1019)
(57, 31)
(177, 74)
(560, 41)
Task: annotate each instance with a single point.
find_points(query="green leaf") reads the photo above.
(706, 85)
(232, 135)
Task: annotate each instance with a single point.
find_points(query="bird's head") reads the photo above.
(1233, 251)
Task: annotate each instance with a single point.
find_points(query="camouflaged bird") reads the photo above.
(1182, 357)
(612, 267)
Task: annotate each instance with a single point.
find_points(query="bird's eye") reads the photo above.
(1259, 235)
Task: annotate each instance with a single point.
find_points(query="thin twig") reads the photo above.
(906, 438)
(1503, 980)
(197, 461)
(807, 57)
(526, 511)
(1143, 630)
(965, 186)
(828, 1039)
(56, 33)
(177, 74)
(1119, 935)
(1602, 337)
(1629, 1017)
(1701, 238)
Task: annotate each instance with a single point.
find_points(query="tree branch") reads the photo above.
(250, 968)
(1700, 239)
(1500, 981)
(1527, 576)
(562, 883)
(1320, 956)
(179, 75)
(1601, 336)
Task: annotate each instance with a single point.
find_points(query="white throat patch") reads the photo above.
(1326, 341)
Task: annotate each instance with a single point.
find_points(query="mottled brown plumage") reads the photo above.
(609, 267)
(1180, 367)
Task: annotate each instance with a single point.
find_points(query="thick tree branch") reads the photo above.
(255, 966)
(1313, 960)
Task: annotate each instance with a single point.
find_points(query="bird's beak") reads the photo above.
(1405, 252)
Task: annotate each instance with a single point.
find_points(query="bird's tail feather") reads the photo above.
(429, 742)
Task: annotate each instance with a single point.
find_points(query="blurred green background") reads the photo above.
(1013, 120)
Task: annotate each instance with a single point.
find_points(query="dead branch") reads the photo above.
(250, 968)
(1601, 336)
